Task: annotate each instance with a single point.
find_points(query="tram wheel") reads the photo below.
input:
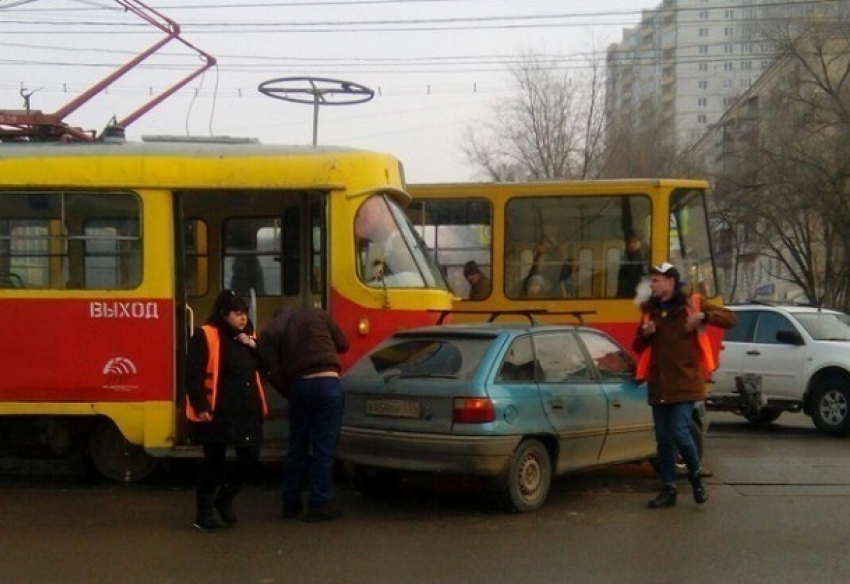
(116, 458)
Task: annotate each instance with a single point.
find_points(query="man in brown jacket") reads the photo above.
(674, 362)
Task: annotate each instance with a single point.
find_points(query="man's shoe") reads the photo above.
(225, 510)
(292, 511)
(700, 492)
(665, 498)
(206, 521)
(317, 514)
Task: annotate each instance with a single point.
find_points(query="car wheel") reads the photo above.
(763, 417)
(831, 408)
(529, 477)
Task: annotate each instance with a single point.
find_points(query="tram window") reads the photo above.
(70, 240)
(389, 254)
(291, 252)
(455, 233)
(252, 255)
(111, 255)
(317, 244)
(690, 245)
(197, 258)
(25, 254)
(565, 245)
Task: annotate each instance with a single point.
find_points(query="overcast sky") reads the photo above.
(436, 66)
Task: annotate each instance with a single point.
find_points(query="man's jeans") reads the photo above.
(672, 434)
(315, 417)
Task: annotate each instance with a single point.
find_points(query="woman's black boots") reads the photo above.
(205, 520)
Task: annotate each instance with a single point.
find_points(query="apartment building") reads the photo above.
(688, 61)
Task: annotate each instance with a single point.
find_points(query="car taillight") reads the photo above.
(473, 410)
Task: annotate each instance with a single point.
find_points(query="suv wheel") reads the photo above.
(830, 407)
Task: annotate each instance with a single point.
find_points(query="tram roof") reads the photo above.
(169, 146)
(543, 185)
(199, 164)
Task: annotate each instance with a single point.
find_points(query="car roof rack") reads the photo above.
(528, 313)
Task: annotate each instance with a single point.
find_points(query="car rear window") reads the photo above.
(454, 358)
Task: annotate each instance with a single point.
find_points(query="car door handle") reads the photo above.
(754, 352)
(615, 403)
(556, 404)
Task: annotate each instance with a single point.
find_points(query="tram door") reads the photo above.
(268, 246)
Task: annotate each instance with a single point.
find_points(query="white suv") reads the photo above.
(782, 358)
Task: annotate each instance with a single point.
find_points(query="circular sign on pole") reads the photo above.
(316, 91)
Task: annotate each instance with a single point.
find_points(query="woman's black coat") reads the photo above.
(238, 416)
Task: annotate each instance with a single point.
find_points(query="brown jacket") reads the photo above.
(301, 342)
(675, 372)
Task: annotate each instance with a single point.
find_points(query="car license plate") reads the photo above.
(393, 408)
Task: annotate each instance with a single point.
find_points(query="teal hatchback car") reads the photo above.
(517, 404)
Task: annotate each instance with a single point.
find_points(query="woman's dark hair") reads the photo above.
(226, 302)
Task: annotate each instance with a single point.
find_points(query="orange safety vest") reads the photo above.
(211, 376)
(707, 360)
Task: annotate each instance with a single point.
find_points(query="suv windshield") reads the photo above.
(825, 326)
(453, 357)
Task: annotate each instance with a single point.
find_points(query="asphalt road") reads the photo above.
(778, 513)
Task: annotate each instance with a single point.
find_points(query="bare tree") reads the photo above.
(551, 128)
(788, 187)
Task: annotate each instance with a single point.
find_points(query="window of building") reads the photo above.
(703, 67)
(703, 84)
(703, 49)
(701, 119)
(702, 102)
(703, 32)
(728, 49)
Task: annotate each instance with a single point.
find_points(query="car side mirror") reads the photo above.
(789, 337)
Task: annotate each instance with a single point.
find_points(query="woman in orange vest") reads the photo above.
(225, 405)
(675, 359)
